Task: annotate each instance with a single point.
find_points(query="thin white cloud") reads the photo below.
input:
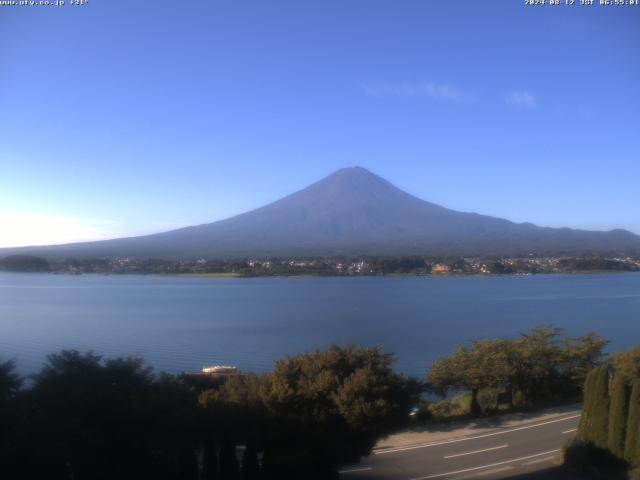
(428, 90)
(520, 99)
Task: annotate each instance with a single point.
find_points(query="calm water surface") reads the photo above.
(182, 324)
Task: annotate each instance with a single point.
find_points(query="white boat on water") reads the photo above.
(220, 369)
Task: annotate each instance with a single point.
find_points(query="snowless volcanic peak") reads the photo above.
(351, 212)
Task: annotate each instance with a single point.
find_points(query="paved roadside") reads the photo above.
(434, 433)
(507, 446)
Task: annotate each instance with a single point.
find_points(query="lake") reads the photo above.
(185, 323)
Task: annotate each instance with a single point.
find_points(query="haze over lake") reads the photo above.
(183, 323)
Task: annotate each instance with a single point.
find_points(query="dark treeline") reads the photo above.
(84, 417)
(334, 266)
(24, 263)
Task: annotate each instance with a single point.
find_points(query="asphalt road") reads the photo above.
(503, 453)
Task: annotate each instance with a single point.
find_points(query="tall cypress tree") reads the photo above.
(584, 427)
(632, 444)
(618, 413)
(593, 425)
(600, 418)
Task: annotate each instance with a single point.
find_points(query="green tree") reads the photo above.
(539, 364)
(90, 418)
(484, 365)
(580, 356)
(627, 364)
(601, 419)
(237, 405)
(10, 381)
(587, 406)
(535, 362)
(110, 419)
(594, 424)
(632, 444)
(314, 412)
(10, 427)
(335, 405)
(547, 366)
(618, 413)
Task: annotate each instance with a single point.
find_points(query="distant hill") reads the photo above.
(351, 212)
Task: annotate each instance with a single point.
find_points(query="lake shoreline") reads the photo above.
(391, 275)
(234, 275)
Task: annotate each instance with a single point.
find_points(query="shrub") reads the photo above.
(443, 409)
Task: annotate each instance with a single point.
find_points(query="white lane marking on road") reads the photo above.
(570, 431)
(353, 470)
(476, 451)
(447, 442)
(539, 460)
(493, 471)
(497, 464)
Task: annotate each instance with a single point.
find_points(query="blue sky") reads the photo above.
(122, 117)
